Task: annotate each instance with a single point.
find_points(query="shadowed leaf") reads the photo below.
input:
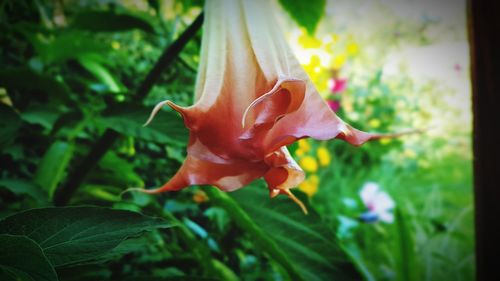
(23, 259)
(71, 235)
(109, 21)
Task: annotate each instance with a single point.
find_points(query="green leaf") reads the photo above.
(100, 192)
(116, 171)
(306, 13)
(69, 44)
(302, 244)
(52, 167)
(71, 235)
(407, 265)
(24, 187)
(41, 115)
(23, 258)
(102, 73)
(109, 21)
(10, 122)
(128, 119)
(188, 4)
(223, 271)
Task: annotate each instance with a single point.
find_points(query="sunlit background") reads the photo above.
(388, 66)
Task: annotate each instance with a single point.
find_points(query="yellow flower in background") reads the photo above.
(304, 145)
(309, 164)
(374, 123)
(314, 62)
(323, 156)
(352, 49)
(310, 185)
(339, 61)
(309, 42)
(299, 152)
(313, 68)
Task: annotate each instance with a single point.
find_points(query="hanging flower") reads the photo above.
(252, 100)
(379, 204)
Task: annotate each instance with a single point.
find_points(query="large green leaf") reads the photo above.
(306, 13)
(71, 235)
(52, 167)
(128, 119)
(302, 244)
(22, 259)
(110, 21)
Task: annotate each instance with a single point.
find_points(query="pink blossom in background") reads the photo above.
(333, 104)
(337, 85)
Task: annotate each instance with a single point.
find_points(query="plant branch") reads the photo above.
(106, 141)
(167, 58)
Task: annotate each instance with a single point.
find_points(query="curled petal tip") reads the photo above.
(344, 129)
(274, 192)
(141, 190)
(245, 114)
(402, 133)
(155, 111)
(131, 189)
(296, 200)
(243, 120)
(260, 99)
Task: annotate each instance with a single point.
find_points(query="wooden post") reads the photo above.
(484, 23)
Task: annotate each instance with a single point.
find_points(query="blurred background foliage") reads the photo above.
(397, 209)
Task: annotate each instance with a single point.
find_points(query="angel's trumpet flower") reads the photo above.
(252, 100)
